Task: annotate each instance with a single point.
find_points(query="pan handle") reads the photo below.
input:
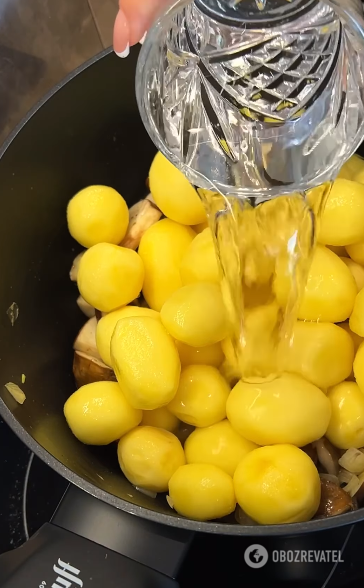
(91, 543)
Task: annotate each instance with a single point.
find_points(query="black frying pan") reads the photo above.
(86, 131)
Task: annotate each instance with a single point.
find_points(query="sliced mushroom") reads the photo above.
(86, 339)
(334, 500)
(85, 307)
(88, 369)
(142, 215)
(328, 456)
(352, 461)
(75, 266)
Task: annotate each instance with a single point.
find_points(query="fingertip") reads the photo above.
(121, 35)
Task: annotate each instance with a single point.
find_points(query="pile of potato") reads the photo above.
(156, 373)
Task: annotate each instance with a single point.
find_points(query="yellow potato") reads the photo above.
(219, 445)
(353, 169)
(149, 457)
(106, 326)
(342, 220)
(277, 485)
(209, 355)
(161, 248)
(358, 367)
(346, 428)
(160, 418)
(285, 410)
(97, 214)
(199, 263)
(356, 321)
(322, 353)
(110, 276)
(330, 290)
(356, 252)
(196, 315)
(145, 361)
(356, 270)
(201, 492)
(99, 413)
(201, 396)
(173, 193)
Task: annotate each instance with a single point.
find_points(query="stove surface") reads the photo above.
(30, 492)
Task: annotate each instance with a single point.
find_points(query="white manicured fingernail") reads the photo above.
(124, 53)
(143, 38)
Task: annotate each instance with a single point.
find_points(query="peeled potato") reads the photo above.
(322, 353)
(287, 409)
(277, 485)
(196, 315)
(161, 248)
(97, 214)
(173, 193)
(106, 326)
(346, 427)
(199, 264)
(330, 290)
(110, 276)
(201, 492)
(149, 457)
(100, 413)
(342, 220)
(219, 445)
(201, 396)
(145, 361)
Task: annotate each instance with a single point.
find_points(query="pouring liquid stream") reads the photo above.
(264, 253)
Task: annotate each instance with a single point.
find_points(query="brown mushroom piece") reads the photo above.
(75, 266)
(86, 339)
(334, 500)
(327, 455)
(88, 369)
(142, 216)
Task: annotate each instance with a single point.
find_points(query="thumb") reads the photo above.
(133, 20)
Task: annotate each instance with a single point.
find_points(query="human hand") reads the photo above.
(133, 20)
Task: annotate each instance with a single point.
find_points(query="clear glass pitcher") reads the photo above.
(259, 103)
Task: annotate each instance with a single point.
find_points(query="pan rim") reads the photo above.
(120, 503)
